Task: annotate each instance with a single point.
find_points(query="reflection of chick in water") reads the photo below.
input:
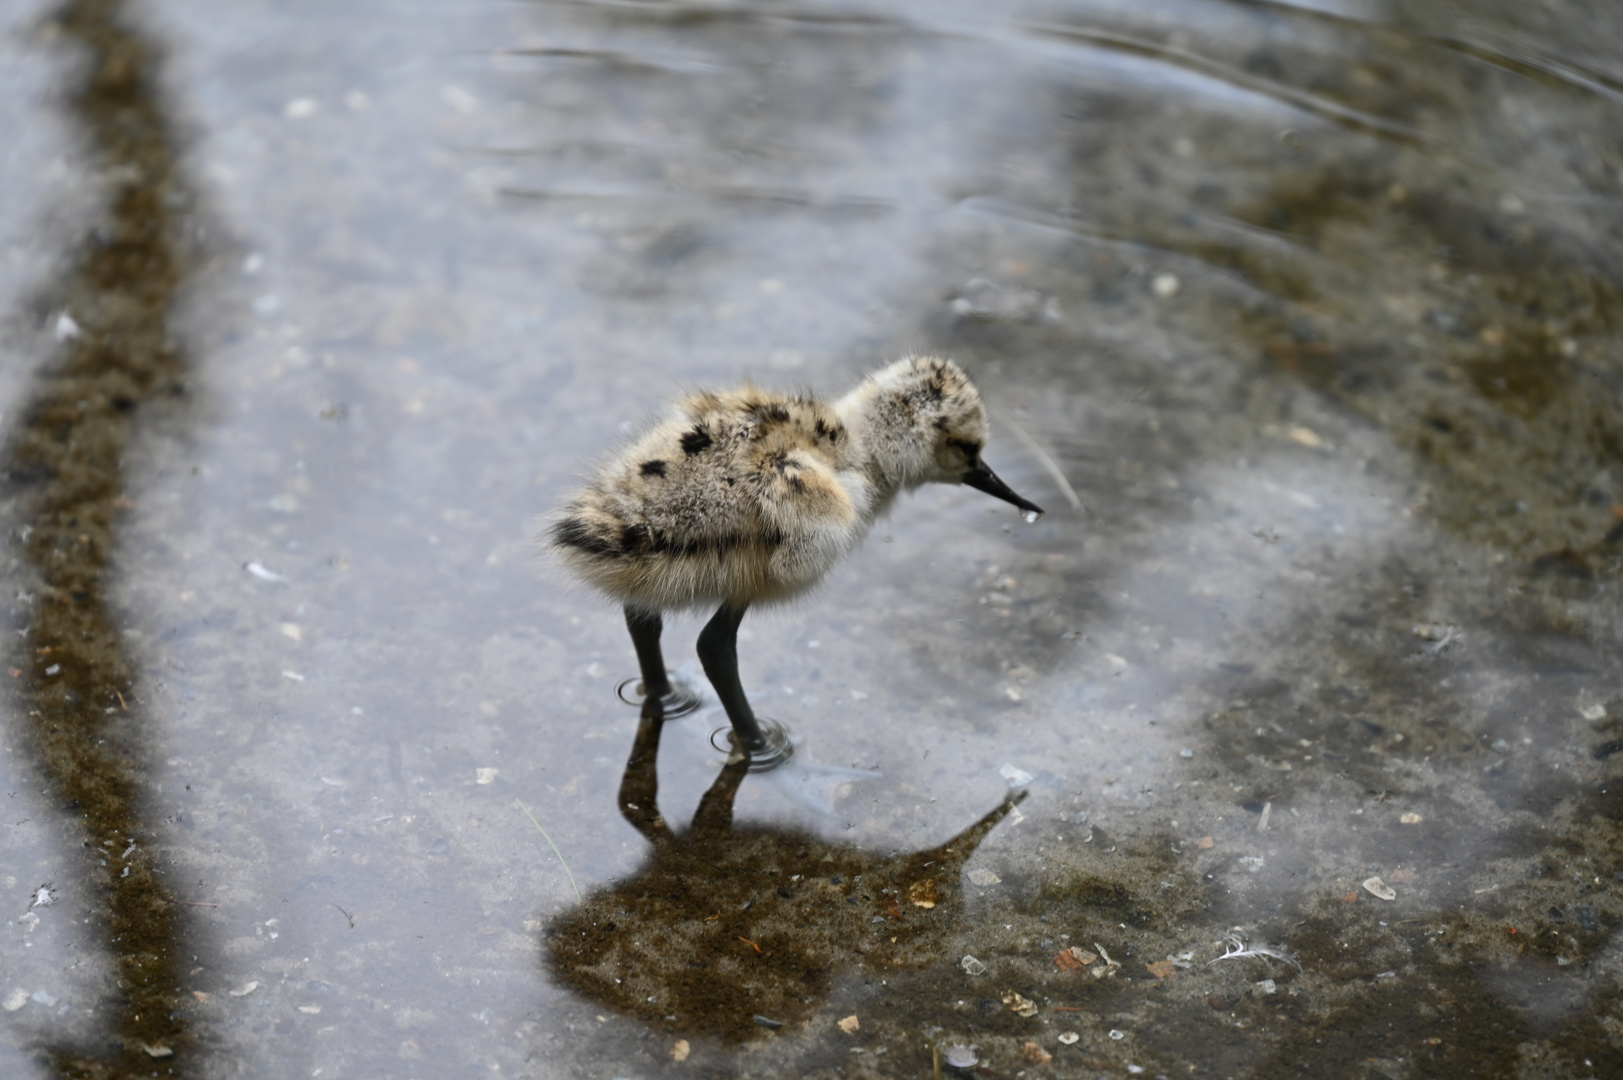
(724, 925)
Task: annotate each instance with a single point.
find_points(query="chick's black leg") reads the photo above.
(645, 627)
(718, 652)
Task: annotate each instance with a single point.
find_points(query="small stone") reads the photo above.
(484, 776)
(15, 1000)
(1307, 437)
(1376, 887)
(1069, 1038)
(1166, 286)
(680, 1050)
(850, 1024)
(983, 877)
(1411, 819)
(1035, 1054)
(244, 990)
(1205, 843)
(972, 966)
(1162, 969)
(922, 893)
(157, 1051)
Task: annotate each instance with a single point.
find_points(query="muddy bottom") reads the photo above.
(1286, 742)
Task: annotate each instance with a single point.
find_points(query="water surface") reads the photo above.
(1312, 307)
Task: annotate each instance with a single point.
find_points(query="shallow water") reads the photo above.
(1299, 319)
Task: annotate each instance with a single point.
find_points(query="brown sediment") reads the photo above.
(79, 704)
(730, 931)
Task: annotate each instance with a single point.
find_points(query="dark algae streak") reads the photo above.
(77, 701)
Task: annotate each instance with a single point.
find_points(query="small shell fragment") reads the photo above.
(680, 1050)
(1411, 818)
(1035, 1054)
(960, 1056)
(972, 966)
(244, 990)
(1016, 776)
(982, 876)
(1073, 959)
(1019, 1004)
(850, 1024)
(1376, 887)
(1307, 437)
(1069, 1038)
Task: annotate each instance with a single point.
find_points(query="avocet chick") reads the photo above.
(750, 497)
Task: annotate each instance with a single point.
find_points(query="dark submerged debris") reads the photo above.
(63, 464)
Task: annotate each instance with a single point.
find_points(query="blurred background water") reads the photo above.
(1301, 319)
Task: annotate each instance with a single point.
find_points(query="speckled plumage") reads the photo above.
(750, 496)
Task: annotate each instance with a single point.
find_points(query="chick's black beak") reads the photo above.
(982, 478)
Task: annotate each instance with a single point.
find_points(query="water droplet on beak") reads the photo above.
(1031, 516)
